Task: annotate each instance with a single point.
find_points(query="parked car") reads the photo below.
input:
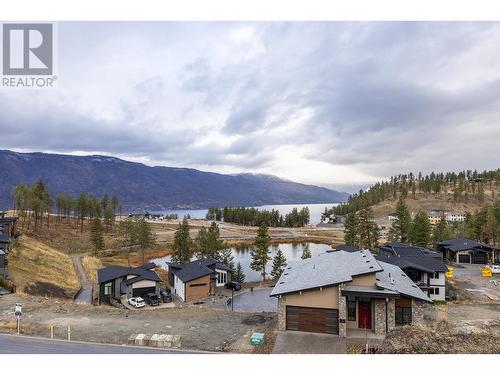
(494, 268)
(166, 297)
(153, 299)
(233, 285)
(137, 302)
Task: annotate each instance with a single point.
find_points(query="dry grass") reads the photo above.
(40, 269)
(91, 265)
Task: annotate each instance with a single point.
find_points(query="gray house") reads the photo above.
(117, 281)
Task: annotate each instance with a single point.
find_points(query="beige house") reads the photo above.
(342, 292)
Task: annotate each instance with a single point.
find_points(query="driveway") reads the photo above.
(289, 342)
(85, 293)
(256, 301)
(480, 288)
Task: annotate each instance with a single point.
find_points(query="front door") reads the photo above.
(365, 315)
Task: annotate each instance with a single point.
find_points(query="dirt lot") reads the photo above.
(200, 328)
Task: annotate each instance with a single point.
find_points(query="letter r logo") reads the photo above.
(27, 49)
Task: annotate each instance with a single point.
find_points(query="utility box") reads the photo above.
(486, 272)
(257, 339)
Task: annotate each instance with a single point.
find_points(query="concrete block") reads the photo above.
(142, 339)
(155, 341)
(131, 339)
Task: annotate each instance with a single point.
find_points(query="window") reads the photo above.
(221, 277)
(351, 309)
(434, 291)
(434, 275)
(197, 285)
(107, 289)
(403, 315)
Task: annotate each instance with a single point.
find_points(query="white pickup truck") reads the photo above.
(495, 268)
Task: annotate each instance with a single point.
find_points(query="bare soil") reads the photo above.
(200, 328)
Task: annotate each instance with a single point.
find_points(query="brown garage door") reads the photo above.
(311, 319)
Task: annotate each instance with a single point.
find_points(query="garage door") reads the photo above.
(479, 258)
(139, 292)
(463, 258)
(311, 319)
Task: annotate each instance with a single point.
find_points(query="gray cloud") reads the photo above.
(359, 101)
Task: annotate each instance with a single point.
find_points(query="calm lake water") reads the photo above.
(315, 210)
(242, 255)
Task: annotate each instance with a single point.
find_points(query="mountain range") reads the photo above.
(141, 187)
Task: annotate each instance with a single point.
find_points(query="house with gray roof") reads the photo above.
(423, 266)
(343, 293)
(197, 279)
(117, 281)
(464, 250)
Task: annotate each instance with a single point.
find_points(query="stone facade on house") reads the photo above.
(281, 312)
(391, 311)
(380, 316)
(342, 313)
(417, 312)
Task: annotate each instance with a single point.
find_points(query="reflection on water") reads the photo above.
(292, 251)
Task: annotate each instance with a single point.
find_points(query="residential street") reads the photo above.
(10, 344)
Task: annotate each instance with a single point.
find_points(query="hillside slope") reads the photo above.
(149, 188)
(39, 269)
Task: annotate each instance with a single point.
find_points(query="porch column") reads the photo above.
(281, 313)
(342, 313)
(391, 314)
(380, 316)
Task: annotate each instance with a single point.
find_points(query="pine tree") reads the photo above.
(400, 228)
(369, 232)
(306, 252)
(182, 250)
(441, 231)
(421, 230)
(96, 236)
(225, 256)
(238, 275)
(144, 235)
(279, 264)
(351, 236)
(260, 254)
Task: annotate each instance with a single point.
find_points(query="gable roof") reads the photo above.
(114, 272)
(407, 256)
(324, 270)
(197, 268)
(460, 244)
(344, 247)
(393, 278)
(404, 249)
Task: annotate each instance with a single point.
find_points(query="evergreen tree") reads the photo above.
(144, 235)
(306, 252)
(225, 256)
(260, 254)
(182, 250)
(421, 230)
(279, 264)
(351, 236)
(96, 236)
(238, 275)
(441, 231)
(369, 232)
(400, 228)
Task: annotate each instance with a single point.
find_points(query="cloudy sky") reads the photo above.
(338, 104)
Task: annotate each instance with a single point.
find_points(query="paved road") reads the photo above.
(10, 344)
(85, 295)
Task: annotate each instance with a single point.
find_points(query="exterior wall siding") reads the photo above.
(194, 292)
(326, 298)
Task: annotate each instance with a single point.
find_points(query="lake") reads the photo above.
(315, 210)
(292, 251)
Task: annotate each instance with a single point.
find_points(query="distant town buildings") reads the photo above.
(435, 216)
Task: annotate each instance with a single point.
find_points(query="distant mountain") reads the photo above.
(141, 187)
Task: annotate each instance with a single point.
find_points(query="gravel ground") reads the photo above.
(200, 328)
